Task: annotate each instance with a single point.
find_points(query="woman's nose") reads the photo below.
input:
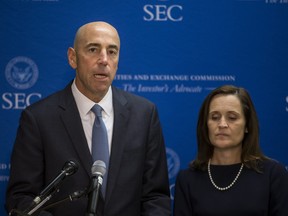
(223, 123)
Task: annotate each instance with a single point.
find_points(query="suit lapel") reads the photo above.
(121, 114)
(72, 122)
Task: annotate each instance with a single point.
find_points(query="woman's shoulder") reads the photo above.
(273, 166)
(189, 172)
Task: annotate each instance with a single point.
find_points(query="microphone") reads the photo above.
(98, 170)
(69, 168)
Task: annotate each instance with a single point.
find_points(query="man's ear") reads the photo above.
(71, 54)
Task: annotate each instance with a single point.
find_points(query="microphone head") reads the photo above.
(70, 167)
(98, 168)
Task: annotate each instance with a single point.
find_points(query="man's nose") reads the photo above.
(103, 57)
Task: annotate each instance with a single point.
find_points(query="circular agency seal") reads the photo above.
(173, 162)
(21, 72)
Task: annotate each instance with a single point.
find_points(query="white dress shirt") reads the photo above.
(84, 105)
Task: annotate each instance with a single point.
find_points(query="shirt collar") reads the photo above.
(84, 104)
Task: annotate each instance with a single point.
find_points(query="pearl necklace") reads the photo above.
(229, 186)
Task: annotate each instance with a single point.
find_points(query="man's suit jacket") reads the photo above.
(50, 133)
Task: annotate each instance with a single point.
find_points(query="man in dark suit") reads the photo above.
(59, 128)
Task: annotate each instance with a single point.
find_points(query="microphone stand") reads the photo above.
(72, 197)
(39, 205)
(34, 208)
(69, 168)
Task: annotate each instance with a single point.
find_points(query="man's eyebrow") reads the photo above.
(112, 46)
(93, 44)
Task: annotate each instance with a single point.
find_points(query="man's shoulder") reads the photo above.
(122, 95)
(52, 99)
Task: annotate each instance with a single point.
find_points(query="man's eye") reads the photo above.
(93, 49)
(112, 52)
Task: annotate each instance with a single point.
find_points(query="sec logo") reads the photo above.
(173, 162)
(21, 72)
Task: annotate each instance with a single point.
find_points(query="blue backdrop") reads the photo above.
(172, 52)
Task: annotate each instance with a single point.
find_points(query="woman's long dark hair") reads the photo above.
(251, 152)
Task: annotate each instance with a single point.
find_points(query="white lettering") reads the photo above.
(4, 178)
(186, 89)
(141, 77)
(156, 88)
(123, 77)
(147, 10)
(163, 77)
(18, 100)
(169, 13)
(212, 78)
(129, 87)
(3, 166)
(163, 13)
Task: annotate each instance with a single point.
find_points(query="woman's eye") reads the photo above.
(215, 118)
(232, 118)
